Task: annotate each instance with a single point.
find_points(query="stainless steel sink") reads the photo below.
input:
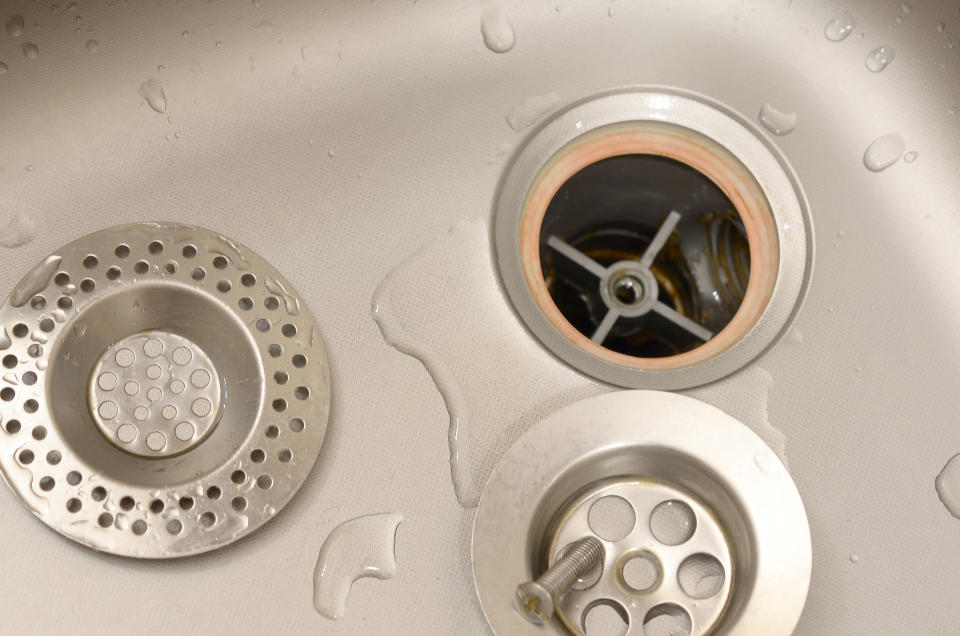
(337, 138)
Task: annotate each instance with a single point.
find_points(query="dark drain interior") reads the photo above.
(644, 255)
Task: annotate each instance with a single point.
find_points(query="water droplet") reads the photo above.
(941, 27)
(880, 57)
(854, 558)
(256, 4)
(30, 51)
(3, 68)
(497, 31)
(530, 110)
(947, 484)
(839, 27)
(911, 156)
(218, 44)
(55, 8)
(766, 462)
(152, 92)
(884, 152)
(15, 26)
(358, 548)
(92, 46)
(4, 338)
(161, 68)
(953, 110)
(73, 7)
(28, 167)
(330, 153)
(185, 34)
(906, 9)
(610, 11)
(777, 121)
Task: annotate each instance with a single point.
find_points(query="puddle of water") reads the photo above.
(839, 27)
(524, 114)
(152, 92)
(883, 152)
(19, 230)
(948, 485)
(357, 548)
(744, 396)
(778, 122)
(497, 32)
(444, 306)
(880, 57)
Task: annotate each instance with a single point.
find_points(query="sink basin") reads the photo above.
(338, 138)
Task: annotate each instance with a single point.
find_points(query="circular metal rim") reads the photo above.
(288, 454)
(668, 424)
(749, 145)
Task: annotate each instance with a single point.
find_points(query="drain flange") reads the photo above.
(165, 390)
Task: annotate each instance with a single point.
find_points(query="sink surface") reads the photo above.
(338, 138)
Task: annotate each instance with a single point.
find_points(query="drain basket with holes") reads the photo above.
(702, 527)
(165, 390)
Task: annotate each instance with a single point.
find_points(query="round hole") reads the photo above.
(30, 406)
(257, 455)
(301, 393)
(186, 503)
(701, 576)
(38, 302)
(285, 455)
(280, 377)
(20, 330)
(170, 267)
(174, 526)
(238, 503)
(99, 493)
(90, 261)
(248, 280)
(47, 325)
(113, 273)
(198, 273)
(271, 303)
(279, 405)
(296, 425)
(605, 617)
(87, 285)
(238, 476)
(155, 247)
(672, 522)
(272, 431)
(641, 571)
(105, 519)
(220, 262)
(245, 303)
(141, 267)
(39, 433)
(213, 492)
(611, 517)
(189, 251)
(64, 302)
(263, 324)
(34, 351)
(126, 503)
(264, 482)
(667, 619)
(299, 361)
(29, 378)
(54, 457)
(74, 505)
(12, 426)
(224, 286)
(289, 330)
(274, 350)
(139, 527)
(26, 456)
(47, 483)
(7, 394)
(122, 251)
(156, 506)
(207, 519)
(74, 478)
(10, 361)
(61, 279)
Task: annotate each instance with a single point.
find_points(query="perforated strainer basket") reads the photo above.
(165, 390)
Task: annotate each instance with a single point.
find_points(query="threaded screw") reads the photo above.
(536, 600)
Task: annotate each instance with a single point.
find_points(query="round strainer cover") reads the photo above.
(165, 390)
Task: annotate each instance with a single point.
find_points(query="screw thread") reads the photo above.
(582, 555)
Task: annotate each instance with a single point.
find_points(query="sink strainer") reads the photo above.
(652, 239)
(702, 529)
(165, 390)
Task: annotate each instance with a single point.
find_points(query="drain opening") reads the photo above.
(644, 255)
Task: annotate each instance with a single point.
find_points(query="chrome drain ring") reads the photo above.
(165, 390)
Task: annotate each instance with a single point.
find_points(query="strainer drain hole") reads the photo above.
(611, 517)
(672, 522)
(701, 576)
(667, 619)
(605, 617)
